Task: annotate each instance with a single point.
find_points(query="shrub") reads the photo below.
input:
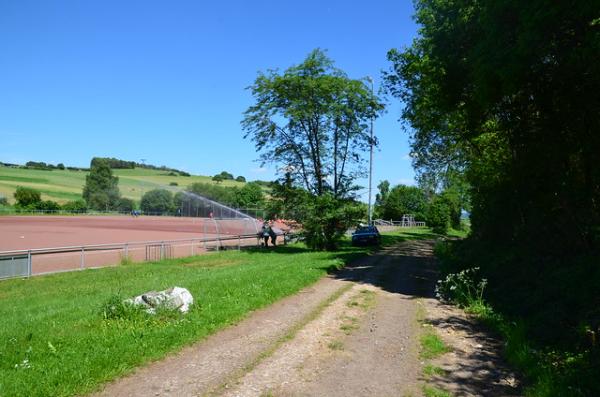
(78, 206)
(125, 205)
(173, 184)
(157, 200)
(48, 206)
(464, 288)
(27, 197)
(438, 216)
(3, 200)
(326, 220)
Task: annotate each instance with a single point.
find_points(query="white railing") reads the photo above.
(382, 222)
(26, 263)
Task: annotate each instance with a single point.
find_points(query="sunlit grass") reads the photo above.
(54, 339)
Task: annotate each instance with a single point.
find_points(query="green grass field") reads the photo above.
(66, 185)
(56, 340)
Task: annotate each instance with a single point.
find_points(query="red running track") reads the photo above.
(29, 232)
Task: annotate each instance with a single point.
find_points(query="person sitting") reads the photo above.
(265, 232)
(273, 235)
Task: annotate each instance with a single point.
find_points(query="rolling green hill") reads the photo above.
(66, 185)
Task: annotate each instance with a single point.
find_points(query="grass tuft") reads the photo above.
(432, 346)
(431, 391)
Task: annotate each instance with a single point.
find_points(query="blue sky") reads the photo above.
(165, 80)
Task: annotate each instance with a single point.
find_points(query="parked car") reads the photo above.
(366, 235)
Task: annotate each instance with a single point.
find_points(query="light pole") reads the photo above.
(370, 79)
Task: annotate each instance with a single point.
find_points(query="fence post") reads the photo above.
(82, 257)
(29, 263)
(193, 243)
(239, 242)
(162, 250)
(126, 251)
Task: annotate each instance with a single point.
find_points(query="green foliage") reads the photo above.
(116, 307)
(48, 206)
(157, 201)
(240, 179)
(438, 216)
(40, 165)
(3, 200)
(225, 175)
(327, 219)
(78, 206)
(125, 205)
(173, 184)
(221, 194)
(464, 288)
(27, 197)
(400, 200)
(71, 348)
(432, 391)
(432, 346)
(113, 163)
(249, 196)
(218, 178)
(101, 190)
(313, 119)
(287, 201)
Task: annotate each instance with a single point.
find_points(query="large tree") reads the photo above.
(403, 200)
(508, 93)
(101, 191)
(313, 119)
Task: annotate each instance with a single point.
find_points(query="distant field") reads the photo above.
(66, 185)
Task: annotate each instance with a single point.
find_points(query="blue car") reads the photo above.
(366, 235)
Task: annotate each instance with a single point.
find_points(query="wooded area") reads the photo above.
(507, 94)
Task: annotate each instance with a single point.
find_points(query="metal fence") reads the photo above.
(26, 263)
(401, 223)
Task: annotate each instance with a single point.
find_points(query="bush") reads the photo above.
(464, 288)
(438, 216)
(326, 221)
(240, 179)
(3, 200)
(125, 205)
(173, 184)
(77, 206)
(27, 197)
(48, 206)
(157, 201)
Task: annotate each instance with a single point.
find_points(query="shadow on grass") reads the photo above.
(403, 264)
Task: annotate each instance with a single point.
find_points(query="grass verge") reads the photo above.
(55, 338)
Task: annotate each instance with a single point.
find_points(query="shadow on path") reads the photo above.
(475, 366)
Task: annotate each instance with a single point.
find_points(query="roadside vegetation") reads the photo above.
(502, 98)
(61, 335)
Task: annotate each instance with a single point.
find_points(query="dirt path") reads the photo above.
(351, 334)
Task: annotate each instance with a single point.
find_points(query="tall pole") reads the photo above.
(371, 159)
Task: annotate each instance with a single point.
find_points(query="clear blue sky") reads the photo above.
(164, 80)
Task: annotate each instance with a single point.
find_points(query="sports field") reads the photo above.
(36, 232)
